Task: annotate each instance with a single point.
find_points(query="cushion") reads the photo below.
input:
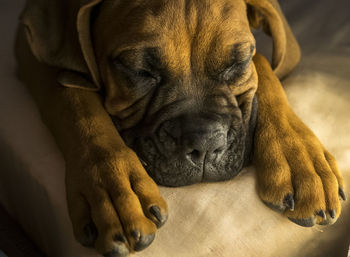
(213, 219)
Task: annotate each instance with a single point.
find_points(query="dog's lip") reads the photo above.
(153, 161)
(174, 177)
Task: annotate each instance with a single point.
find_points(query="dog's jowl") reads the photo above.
(188, 113)
(193, 129)
(173, 92)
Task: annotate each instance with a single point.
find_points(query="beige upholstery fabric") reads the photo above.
(218, 219)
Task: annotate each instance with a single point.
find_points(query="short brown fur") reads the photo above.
(106, 183)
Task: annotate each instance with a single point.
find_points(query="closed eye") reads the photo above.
(144, 77)
(145, 74)
(235, 71)
(138, 78)
(142, 80)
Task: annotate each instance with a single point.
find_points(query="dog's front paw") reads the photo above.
(114, 205)
(296, 174)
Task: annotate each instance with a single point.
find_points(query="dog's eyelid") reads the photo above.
(235, 69)
(148, 75)
(120, 65)
(144, 66)
(241, 52)
(139, 79)
(231, 72)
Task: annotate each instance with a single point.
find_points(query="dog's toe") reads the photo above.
(117, 212)
(308, 222)
(120, 250)
(141, 241)
(160, 216)
(286, 204)
(331, 217)
(153, 205)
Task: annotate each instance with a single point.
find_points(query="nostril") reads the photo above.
(195, 156)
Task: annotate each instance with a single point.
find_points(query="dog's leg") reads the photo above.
(113, 204)
(296, 174)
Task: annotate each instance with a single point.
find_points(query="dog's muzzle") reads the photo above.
(195, 147)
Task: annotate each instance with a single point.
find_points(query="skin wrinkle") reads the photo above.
(181, 66)
(194, 39)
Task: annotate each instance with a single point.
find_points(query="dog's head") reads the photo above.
(177, 77)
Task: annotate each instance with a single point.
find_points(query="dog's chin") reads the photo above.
(168, 165)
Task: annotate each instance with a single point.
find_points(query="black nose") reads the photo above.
(198, 146)
(202, 138)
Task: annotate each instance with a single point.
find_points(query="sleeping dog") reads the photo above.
(169, 92)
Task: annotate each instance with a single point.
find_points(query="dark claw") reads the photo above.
(90, 232)
(136, 235)
(155, 211)
(342, 194)
(141, 241)
(288, 201)
(332, 213)
(120, 250)
(322, 214)
(310, 222)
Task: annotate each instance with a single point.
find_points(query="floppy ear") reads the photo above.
(58, 32)
(286, 51)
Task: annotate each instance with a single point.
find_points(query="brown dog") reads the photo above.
(177, 80)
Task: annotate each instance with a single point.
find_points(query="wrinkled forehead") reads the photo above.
(178, 27)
